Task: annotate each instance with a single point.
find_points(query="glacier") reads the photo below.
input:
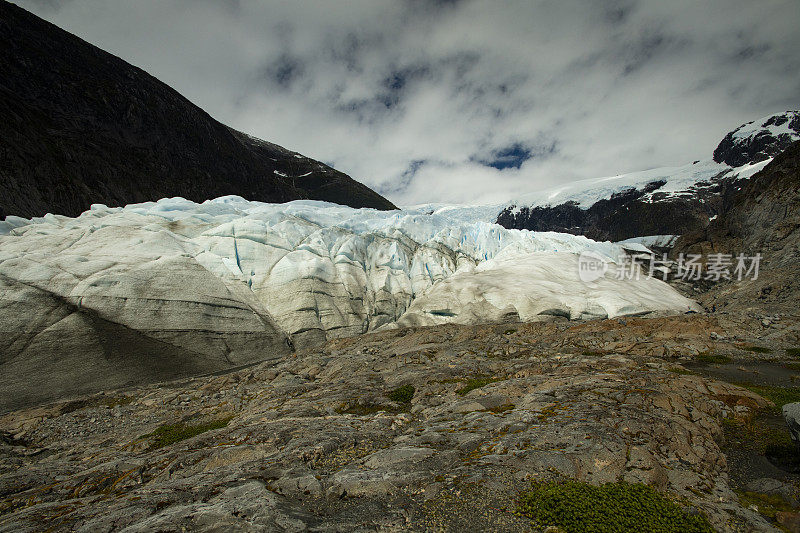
(199, 276)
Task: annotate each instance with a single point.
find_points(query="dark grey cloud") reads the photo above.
(285, 70)
(468, 100)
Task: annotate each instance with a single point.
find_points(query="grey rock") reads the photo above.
(291, 460)
(791, 414)
(392, 457)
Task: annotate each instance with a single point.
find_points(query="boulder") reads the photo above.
(791, 413)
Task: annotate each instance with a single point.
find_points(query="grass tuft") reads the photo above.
(476, 383)
(402, 394)
(758, 349)
(610, 508)
(715, 359)
(768, 505)
(780, 396)
(171, 433)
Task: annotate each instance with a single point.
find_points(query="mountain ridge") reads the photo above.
(662, 201)
(81, 126)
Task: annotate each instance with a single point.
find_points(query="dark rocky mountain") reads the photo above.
(621, 216)
(80, 126)
(758, 140)
(762, 217)
(647, 210)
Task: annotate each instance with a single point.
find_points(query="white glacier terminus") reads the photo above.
(180, 271)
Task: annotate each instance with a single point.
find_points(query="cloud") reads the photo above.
(465, 101)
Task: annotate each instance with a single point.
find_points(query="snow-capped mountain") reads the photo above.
(661, 201)
(218, 284)
(759, 140)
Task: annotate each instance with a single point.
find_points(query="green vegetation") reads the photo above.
(758, 349)
(172, 433)
(402, 394)
(794, 352)
(609, 508)
(682, 371)
(777, 395)
(592, 353)
(715, 359)
(768, 504)
(476, 383)
(755, 434)
(509, 332)
(367, 406)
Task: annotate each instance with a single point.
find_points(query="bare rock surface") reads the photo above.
(334, 439)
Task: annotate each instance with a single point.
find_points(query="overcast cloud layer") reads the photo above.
(464, 101)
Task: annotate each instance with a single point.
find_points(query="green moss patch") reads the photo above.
(780, 396)
(756, 434)
(609, 508)
(172, 433)
(768, 505)
(715, 359)
(793, 352)
(476, 383)
(758, 349)
(502, 408)
(367, 406)
(402, 394)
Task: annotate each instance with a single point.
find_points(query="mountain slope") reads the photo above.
(661, 201)
(80, 126)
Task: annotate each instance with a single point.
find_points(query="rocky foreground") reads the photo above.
(436, 428)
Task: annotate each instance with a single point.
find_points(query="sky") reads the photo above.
(460, 101)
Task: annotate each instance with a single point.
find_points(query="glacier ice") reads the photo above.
(310, 270)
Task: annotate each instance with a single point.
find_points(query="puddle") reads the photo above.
(775, 374)
(751, 448)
